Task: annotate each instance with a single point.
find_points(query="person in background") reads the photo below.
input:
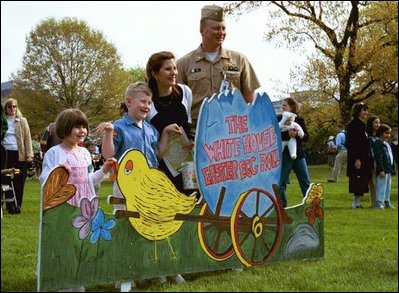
(286, 124)
(299, 164)
(171, 101)
(360, 161)
(38, 154)
(372, 124)
(385, 167)
(342, 155)
(49, 138)
(211, 68)
(122, 109)
(19, 151)
(331, 151)
(4, 128)
(4, 125)
(394, 146)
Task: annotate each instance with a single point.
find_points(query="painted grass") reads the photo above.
(361, 250)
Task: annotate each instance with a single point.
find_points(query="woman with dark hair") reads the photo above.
(171, 101)
(360, 161)
(299, 164)
(372, 124)
(171, 105)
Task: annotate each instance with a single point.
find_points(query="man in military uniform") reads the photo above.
(210, 68)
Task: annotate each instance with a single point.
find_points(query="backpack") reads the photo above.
(331, 146)
(331, 150)
(345, 141)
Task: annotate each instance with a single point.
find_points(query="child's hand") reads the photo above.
(66, 167)
(173, 128)
(104, 127)
(108, 165)
(292, 133)
(189, 146)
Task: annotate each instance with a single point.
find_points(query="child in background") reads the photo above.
(384, 167)
(72, 127)
(287, 123)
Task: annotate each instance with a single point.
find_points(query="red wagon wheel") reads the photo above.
(214, 235)
(257, 231)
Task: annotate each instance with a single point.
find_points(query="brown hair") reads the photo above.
(357, 108)
(382, 129)
(69, 119)
(154, 64)
(293, 104)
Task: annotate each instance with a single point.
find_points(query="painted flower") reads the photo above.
(315, 211)
(101, 227)
(82, 222)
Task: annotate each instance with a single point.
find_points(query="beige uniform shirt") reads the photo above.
(204, 77)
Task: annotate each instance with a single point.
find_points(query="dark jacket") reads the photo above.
(358, 148)
(381, 157)
(285, 136)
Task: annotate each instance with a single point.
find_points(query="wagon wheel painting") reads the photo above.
(214, 235)
(255, 236)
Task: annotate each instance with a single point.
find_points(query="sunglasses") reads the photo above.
(11, 106)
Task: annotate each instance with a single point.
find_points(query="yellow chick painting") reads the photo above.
(152, 197)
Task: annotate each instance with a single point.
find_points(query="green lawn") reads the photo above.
(361, 249)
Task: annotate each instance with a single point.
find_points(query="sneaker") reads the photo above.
(124, 285)
(388, 205)
(357, 207)
(178, 279)
(331, 180)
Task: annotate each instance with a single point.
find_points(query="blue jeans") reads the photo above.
(301, 170)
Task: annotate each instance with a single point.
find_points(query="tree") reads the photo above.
(137, 74)
(356, 46)
(69, 65)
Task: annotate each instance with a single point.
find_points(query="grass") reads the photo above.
(361, 249)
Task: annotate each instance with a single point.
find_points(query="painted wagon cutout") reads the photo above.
(241, 221)
(238, 163)
(238, 151)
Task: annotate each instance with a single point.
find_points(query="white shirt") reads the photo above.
(57, 155)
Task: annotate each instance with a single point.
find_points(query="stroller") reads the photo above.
(7, 190)
(7, 184)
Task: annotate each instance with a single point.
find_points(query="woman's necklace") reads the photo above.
(163, 103)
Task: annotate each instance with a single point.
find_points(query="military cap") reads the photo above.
(212, 12)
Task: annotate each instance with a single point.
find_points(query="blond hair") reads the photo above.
(138, 87)
(12, 101)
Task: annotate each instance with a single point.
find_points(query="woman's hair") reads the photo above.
(123, 106)
(369, 125)
(138, 87)
(154, 64)
(69, 119)
(382, 129)
(293, 104)
(12, 101)
(38, 135)
(88, 142)
(357, 108)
